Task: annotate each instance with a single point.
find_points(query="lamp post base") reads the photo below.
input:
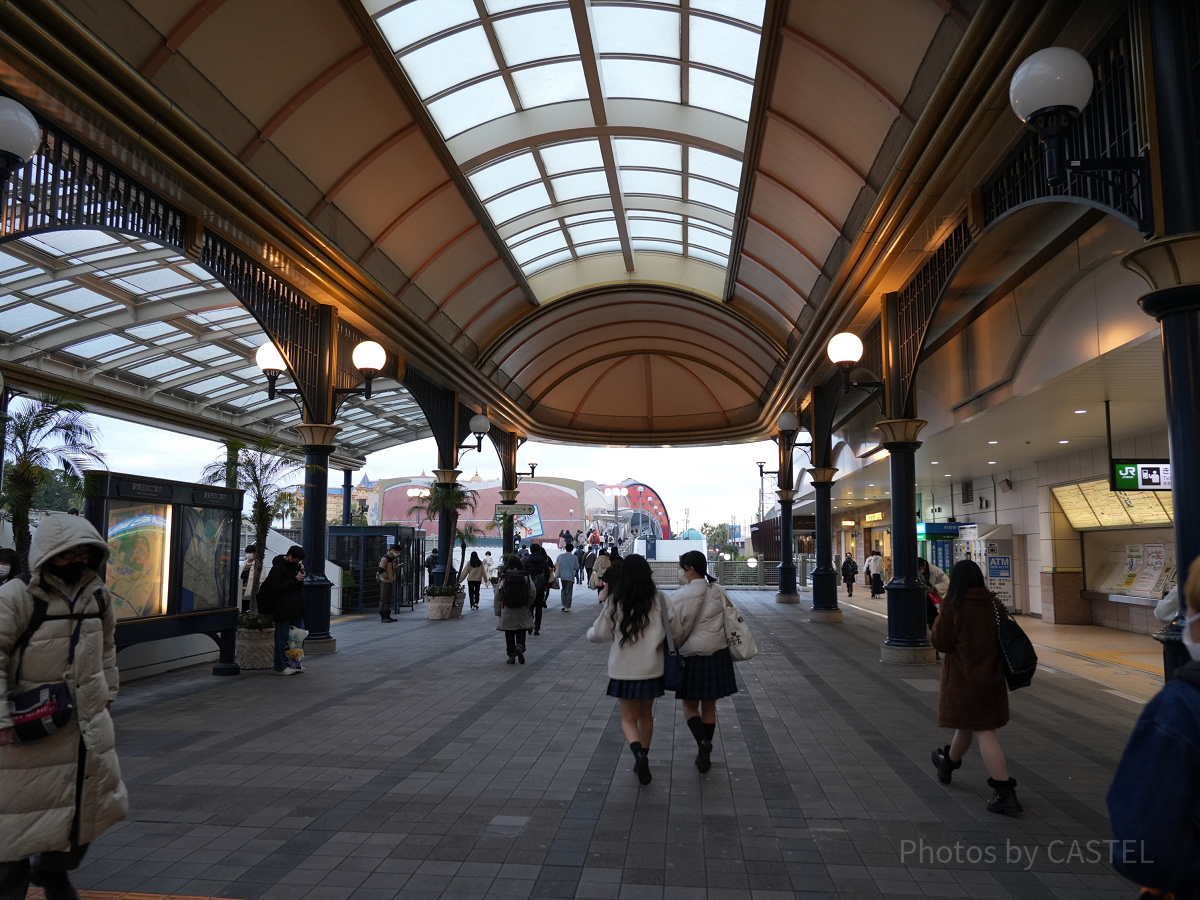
(890, 655)
(787, 598)
(825, 616)
(318, 646)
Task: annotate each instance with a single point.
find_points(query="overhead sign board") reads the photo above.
(940, 529)
(515, 509)
(1141, 475)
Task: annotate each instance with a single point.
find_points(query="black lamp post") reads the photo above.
(509, 498)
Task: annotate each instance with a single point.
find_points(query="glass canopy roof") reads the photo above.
(594, 132)
(138, 319)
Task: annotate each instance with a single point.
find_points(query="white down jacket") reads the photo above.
(701, 610)
(38, 799)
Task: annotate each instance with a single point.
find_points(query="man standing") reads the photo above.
(283, 587)
(565, 568)
(579, 559)
(387, 582)
(49, 812)
(874, 570)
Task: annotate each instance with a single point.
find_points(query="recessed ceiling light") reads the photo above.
(934, 463)
(1080, 412)
(991, 462)
(948, 475)
(1064, 442)
(993, 442)
(870, 485)
(887, 492)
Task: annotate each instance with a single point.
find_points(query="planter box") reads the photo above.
(457, 607)
(438, 607)
(255, 649)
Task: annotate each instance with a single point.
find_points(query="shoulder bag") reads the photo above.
(673, 662)
(737, 632)
(1016, 650)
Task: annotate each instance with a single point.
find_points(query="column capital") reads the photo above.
(315, 435)
(901, 431)
(785, 495)
(446, 476)
(822, 474)
(508, 497)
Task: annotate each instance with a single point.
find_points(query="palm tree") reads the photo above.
(288, 507)
(465, 535)
(449, 501)
(42, 436)
(258, 470)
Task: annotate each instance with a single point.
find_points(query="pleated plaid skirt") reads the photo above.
(645, 689)
(707, 677)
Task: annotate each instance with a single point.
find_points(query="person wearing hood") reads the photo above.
(65, 790)
(1154, 800)
(287, 604)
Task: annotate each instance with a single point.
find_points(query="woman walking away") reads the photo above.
(596, 579)
(474, 573)
(538, 566)
(632, 621)
(708, 667)
(849, 570)
(973, 697)
(514, 595)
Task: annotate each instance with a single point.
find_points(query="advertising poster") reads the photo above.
(1130, 569)
(139, 545)
(1000, 582)
(525, 527)
(1151, 578)
(207, 558)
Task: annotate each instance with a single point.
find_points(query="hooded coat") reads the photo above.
(973, 692)
(39, 799)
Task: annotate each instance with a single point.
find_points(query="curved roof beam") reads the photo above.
(803, 198)
(180, 33)
(797, 128)
(573, 119)
(847, 68)
(704, 387)
(359, 167)
(774, 271)
(791, 320)
(400, 219)
(602, 204)
(633, 354)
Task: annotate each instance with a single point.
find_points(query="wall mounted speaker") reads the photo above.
(1005, 485)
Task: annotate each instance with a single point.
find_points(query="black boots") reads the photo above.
(703, 733)
(941, 760)
(55, 885)
(641, 762)
(1004, 797)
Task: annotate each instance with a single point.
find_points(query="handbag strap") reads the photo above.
(662, 607)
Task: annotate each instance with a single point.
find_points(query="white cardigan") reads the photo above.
(701, 610)
(642, 658)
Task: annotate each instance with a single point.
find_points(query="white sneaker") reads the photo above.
(286, 672)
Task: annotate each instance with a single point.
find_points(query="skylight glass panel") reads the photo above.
(152, 330)
(531, 232)
(206, 352)
(593, 249)
(648, 228)
(546, 262)
(554, 83)
(581, 184)
(183, 373)
(499, 6)
(536, 35)
(629, 30)
(525, 200)
(10, 262)
(99, 346)
(539, 246)
(220, 314)
(62, 243)
(504, 175)
(714, 166)
(659, 247)
(471, 106)
(159, 367)
(724, 46)
(641, 79)
(420, 19)
(709, 240)
(246, 402)
(156, 279)
(209, 385)
(750, 11)
(588, 217)
(47, 286)
(634, 181)
(449, 61)
(655, 214)
(78, 300)
(708, 256)
(594, 231)
(17, 319)
(709, 90)
(712, 194)
(121, 354)
(560, 158)
(649, 154)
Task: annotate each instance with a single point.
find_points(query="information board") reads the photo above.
(1000, 581)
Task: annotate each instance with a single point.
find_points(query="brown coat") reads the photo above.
(973, 694)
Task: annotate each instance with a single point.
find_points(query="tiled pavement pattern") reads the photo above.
(416, 763)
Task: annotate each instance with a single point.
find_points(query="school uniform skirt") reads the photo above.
(644, 689)
(707, 677)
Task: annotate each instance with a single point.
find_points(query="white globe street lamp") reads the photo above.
(1047, 92)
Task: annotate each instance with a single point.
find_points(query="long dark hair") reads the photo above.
(966, 575)
(698, 562)
(475, 561)
(634, 595)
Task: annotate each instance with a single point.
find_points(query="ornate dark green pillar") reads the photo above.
(318, 590)
(824, 577)
(347, 496)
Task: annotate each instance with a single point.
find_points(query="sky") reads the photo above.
(698, 484)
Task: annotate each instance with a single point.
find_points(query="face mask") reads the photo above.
(683, 579)
(5, 568)
(1193, 648)
(69, 573)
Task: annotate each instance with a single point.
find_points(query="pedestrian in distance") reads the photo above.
(632, 623)
(849, 572)
(538, 566)
(936, 583)
(579, 555)
(565, 568)
(1154, 800)
(474, 572)
(389, 567)
(874, 569)
(58, 625)
(708, 666)
(973, 694)
(514, 596)
(489, 568)
(281, 590)
(603, 561)
(246, 574)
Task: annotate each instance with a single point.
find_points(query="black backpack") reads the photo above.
(514, 590)
(266, 598)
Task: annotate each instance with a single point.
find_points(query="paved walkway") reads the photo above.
(416, 763)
